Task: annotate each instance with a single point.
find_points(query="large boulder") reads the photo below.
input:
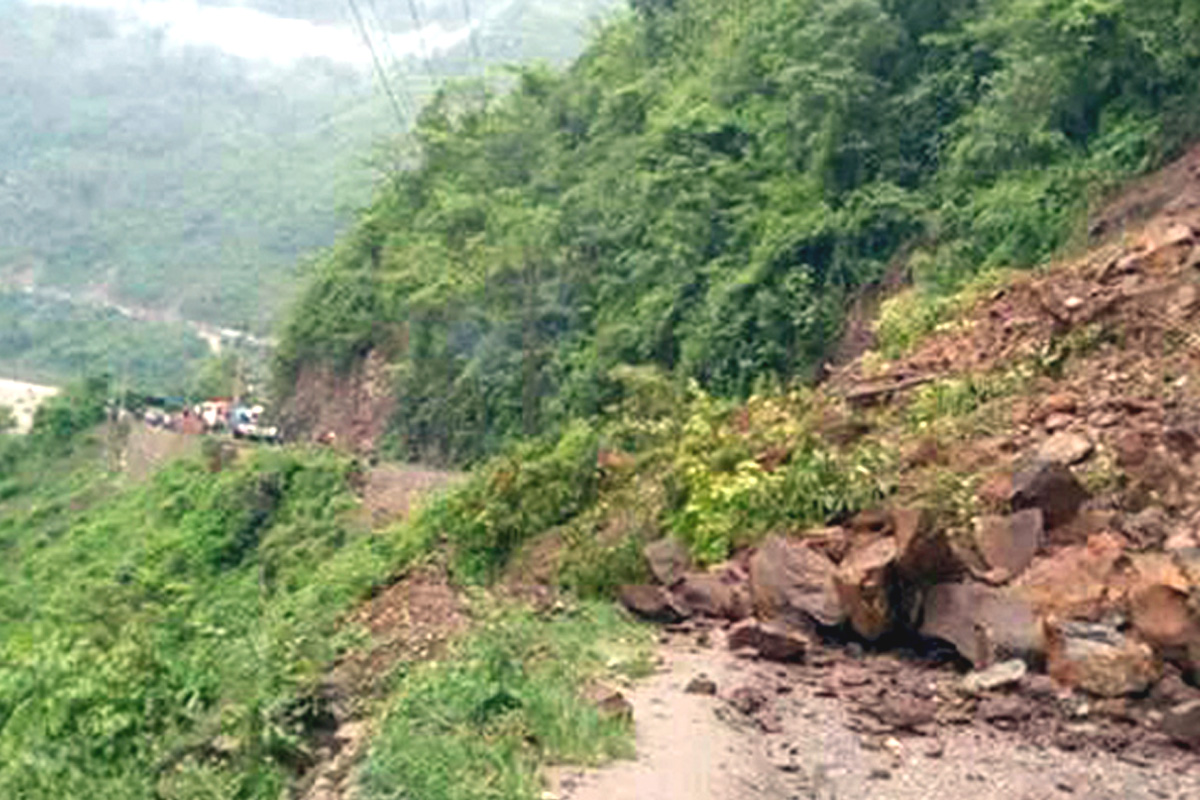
(924, 553)
(1007, 545)
(1159, 602)
(1074, 582)
(793, 583)
(717, 594)
(772, 641)
(985, 624)
(1050, 487)
(653, 603)
(864, 583)
(1100, 659)
(667, 559)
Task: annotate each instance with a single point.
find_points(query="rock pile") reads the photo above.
(1096, 616)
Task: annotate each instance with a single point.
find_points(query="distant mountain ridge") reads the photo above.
(191, 182)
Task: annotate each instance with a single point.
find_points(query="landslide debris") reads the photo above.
(1066, 583)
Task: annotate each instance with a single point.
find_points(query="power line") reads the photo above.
(410, 103)
(420, 28)
(383, 77)
(474, 43)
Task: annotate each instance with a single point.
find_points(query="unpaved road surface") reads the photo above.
(702, 747)
(24, 398)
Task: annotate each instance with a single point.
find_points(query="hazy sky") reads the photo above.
(253, 34)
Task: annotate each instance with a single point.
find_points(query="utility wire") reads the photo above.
(420, 28)
(411, 104)
(383, 76)
(474, 43)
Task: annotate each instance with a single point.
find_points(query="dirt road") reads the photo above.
(704, 747)
(24, 398)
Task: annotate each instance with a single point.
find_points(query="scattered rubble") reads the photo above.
(1068, 577)
(997, 676)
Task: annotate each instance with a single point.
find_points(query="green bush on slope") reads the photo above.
(141, 623)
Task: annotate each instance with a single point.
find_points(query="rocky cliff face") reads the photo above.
(348, 410)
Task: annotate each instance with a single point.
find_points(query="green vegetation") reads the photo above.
(56, 341)
(166, 639)
(480, 723)
(709, 183)
(170, 179)
(141, 622)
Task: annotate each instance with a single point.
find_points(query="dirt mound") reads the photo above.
(1075, 554)
(392, 490)
(410, 620)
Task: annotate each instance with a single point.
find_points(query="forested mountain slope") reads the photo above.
(150, 159)
(710, 184)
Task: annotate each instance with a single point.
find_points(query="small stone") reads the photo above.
(614, 706)
(1056, 422)
(1182, 724)
(771, 640)
(701, 684)
(1072, 303)
(747, 699)
(1066, 449)
(1060, 403)
(935, 749)
(995, 677)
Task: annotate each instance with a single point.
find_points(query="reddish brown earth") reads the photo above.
(1076, 571)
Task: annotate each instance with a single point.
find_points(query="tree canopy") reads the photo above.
(712, 181)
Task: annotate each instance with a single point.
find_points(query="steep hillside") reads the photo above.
(710, 184)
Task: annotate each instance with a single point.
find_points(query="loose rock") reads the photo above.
(1182, 724)
(995, 677)
(864, 582)
(1009, 543)
(772, 641)
(793, 583)
(984, 624)
(1100, 659)
(701, 684)
(706, 594)
(652, 603)
(1066, 449)
(1050, 487)
(924, 551)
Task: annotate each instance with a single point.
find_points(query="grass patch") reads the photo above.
(950, 401)
(908, 317)
(508, 699)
